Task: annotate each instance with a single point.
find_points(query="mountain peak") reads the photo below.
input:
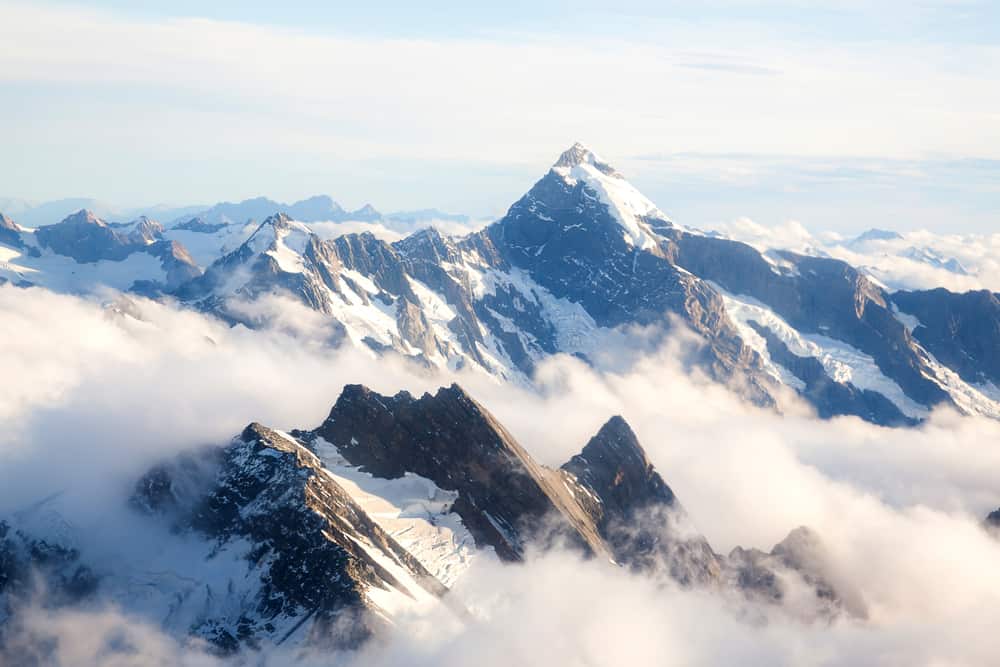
(614, 464)
(83, 217)
(277, 220)
(366, 213)
(578, 154)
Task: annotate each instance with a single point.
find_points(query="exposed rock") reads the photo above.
(567, 239)
(832, 398)
(962, 331)
(635, 511)
(145, 231)
(506, 499)
(86, 238)
(196, 224)
(27, 562)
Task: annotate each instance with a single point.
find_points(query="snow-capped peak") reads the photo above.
(625, 203)
(283, 239)
(578, 154)
(83, 217)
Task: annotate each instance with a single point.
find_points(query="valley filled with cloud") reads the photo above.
(107, 389)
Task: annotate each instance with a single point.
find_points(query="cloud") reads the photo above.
(100, 394)
(890, 261)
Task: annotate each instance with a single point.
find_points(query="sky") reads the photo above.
(842, 117)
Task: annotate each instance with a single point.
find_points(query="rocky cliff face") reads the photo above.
(961, 330)
(28, 562)
(505, 498)
(634, 510)
(831, 398)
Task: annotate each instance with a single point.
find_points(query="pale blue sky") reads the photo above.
(842, 117)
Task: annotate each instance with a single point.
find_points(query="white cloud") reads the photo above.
(890, 261)
(100, 395)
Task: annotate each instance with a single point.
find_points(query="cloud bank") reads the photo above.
(912, 261)
(101, 393)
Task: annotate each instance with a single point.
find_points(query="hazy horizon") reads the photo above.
(839, 119)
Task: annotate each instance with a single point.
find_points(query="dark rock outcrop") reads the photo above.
(635, 511)
(607, 501)
(10, 232)
(30, 565)
(505, 498)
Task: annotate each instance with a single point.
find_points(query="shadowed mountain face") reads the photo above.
(815, 296)
(635, 511)
(608, 501)
(961, 330)
(314, 554)
(10, 232)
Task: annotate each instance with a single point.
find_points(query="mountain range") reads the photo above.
(581, 258)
